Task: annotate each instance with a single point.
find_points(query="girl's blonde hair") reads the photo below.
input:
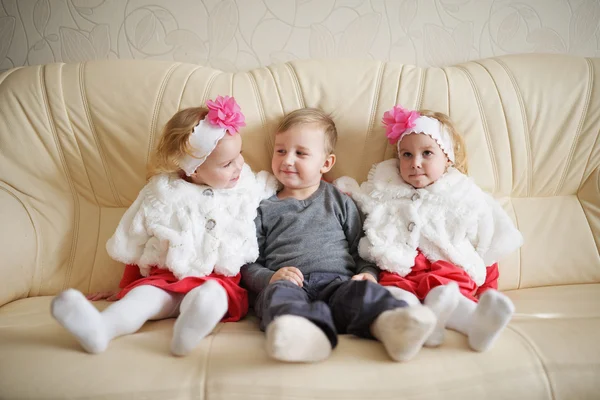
(460, 151)
(312, 116)
(174, 143)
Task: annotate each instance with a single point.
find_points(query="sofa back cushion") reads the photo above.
(75, 139)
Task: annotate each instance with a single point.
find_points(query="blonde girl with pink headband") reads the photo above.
(184, 239)
(432, 231)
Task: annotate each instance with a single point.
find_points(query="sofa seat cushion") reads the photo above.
(548, 351)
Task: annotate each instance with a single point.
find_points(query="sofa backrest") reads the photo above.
(75, 139)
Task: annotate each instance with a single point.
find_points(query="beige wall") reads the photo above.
(242, 34)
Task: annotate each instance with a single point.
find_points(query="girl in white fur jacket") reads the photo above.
(184, 239)
(432, 230)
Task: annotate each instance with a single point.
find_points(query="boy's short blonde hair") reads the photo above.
(174, 144)
(311, 116)
(460, 151)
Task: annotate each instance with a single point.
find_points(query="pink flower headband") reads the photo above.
(224, 116)
(400, 122)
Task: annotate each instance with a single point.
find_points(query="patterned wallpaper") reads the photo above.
(241, 34)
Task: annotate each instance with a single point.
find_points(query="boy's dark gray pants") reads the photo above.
(333, 302)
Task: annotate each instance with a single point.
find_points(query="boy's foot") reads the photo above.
(404, 330)
(442, 300)
(200, 311)
(77, 315)
(296, 339)
(489, 319)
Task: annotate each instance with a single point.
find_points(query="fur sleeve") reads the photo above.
(267, 184)
(127, 243)
(497, 234)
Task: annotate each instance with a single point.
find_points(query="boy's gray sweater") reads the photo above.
(319, 234)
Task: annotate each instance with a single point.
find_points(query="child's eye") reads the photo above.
(428, 153)
(300, 153)
(227, 165)
(280, 151)
(406, 154)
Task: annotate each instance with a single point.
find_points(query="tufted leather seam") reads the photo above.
(97, 142)
(486, 129)
(448, 93)
(211, 337)
(85, 167)
(155, 110)
(376, 94)
(185, 86)
(261, 109)
(6, 74)
(270, 136)
(294, 77)
(421, 89)
(529, 161)
(209, 84)
(91, 274)
(387, 143)
(587, 163)
(536, 352)
(519, 249)
(35, 231)
(578, 131)
(63, 162)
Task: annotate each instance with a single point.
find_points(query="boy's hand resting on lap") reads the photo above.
(291, 274)
(365, 276)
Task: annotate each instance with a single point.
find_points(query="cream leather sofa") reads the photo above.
(74, 140)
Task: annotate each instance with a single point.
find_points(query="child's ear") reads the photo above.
(328, 164)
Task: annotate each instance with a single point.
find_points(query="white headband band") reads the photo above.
(203, 141)
(224, 115)
(400, 122)
(433, 128)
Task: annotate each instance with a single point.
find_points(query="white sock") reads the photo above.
(200, 311)
(77, 315)
(404, 330)
(296, 339)
(94, 330)
(489, 319)
(442, 300)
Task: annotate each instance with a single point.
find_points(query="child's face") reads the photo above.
(422, 161)
(222, 168)
(299, 159)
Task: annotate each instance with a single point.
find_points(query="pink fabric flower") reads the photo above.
(397, 121)
(226, 113)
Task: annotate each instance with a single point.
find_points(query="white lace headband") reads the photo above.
(224, 116)
(400, 122)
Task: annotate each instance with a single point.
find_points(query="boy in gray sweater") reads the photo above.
(309, 281)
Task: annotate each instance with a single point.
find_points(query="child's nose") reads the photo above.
(416, 162)
(288, 159)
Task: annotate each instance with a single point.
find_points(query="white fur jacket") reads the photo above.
(190, 229)
(451, 219)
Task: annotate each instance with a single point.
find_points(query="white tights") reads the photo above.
(197, 312)
(481, 322)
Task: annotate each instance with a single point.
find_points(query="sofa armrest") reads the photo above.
(18, 247)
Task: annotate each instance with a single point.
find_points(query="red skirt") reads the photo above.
(237, 297)
(426, 275)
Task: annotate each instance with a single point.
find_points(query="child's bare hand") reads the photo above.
(109, 296)
(291, 274)
(365, 276)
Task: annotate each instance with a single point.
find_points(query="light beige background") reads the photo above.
(241, 34)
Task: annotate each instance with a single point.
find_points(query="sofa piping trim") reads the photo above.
(294, 77)
(98, 143)
(584, 112)
(156, 108)
(486, 129)
(529, 161)
(536, 352)
(59, 150)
